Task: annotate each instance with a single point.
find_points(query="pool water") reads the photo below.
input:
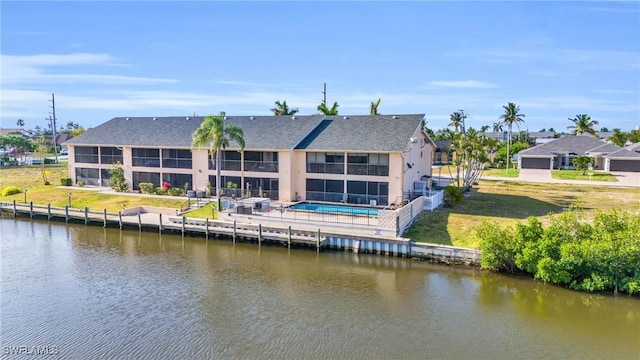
(333, 209)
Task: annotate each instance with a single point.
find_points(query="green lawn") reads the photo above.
(207, 211)
(507, 202)
(575, 175)
(513, 173)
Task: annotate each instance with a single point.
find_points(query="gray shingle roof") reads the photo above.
(363, 133)
(564, 145)
(624, 154)
(605, 149)
(260, 132)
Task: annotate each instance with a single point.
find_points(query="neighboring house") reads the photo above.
(4, 132)
(355, 159)
(559, 153)
(443, 153)
(626, 159)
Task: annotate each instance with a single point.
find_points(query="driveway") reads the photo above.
(625, 179)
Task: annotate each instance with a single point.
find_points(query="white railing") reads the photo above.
(408, 213)
(433, 200)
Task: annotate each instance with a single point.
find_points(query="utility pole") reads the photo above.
(463, 116)
(52, 119)
(324, 94)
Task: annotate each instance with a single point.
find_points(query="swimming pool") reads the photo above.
(333, 209)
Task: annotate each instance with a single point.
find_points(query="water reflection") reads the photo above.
(99, 292)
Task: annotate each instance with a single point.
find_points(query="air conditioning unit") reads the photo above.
(373, 202)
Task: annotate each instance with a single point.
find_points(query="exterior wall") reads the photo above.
(200, 169)
(285, 175)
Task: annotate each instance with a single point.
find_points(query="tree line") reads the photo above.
(598, 255)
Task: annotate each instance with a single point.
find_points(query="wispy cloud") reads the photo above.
(462, 84)
(585, 58)
(628, 10)
(36, 69)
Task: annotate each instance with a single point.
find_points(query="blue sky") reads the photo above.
(109, 59)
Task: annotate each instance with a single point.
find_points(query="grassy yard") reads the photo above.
(513, 173)
(206, 211)
(509, 202)
(575, 175)
(30, 178)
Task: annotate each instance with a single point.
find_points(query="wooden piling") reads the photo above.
(289, 240)
(105, 218)
(206, 228)
(318, 242)
(15, 211)
(184, 218)
(86, 215)
(66, 213)
(259, 234)
(31, 209)
(120, 219)
(235, 230)
(49, 211)
(139, 221)
(160, 223)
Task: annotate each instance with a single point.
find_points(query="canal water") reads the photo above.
(88, 292)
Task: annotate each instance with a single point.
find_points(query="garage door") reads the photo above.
(535, 163)
(624, 165)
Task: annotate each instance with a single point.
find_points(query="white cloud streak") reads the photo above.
(462, 84)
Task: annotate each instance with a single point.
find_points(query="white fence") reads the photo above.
(433, 200)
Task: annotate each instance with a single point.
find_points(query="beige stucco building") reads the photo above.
(355, 159)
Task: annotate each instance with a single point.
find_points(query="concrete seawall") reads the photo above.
(151, 219)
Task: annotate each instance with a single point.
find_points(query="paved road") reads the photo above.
(625, 179)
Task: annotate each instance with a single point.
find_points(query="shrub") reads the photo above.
(147, 188)
(453, 196)
(81, 183)
(160, 190)
(65, 181)
(48, 161)
(118, 182)
(166, 186)
(175, 191)
(11, 190)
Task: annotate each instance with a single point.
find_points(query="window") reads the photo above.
(261, 161)
(105, 175)
(139, 177)
(109, 155)
(225, 182)
(329, 163)
(88, 176)
(174, 158)
(268, 186)
(231, 160)
(362, 192)
(177, 180)
(145, 157)
(368, 164)
(85, 154)
(325, 190)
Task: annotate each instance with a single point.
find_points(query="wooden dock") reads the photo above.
(267, 232)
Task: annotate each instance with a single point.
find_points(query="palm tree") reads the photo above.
(373, 108)
(582, 123)
(497, 128)
(328, 111)
(213, 133)
(283, 109)
(456, 120)
(20, 123)
(619, 137)
(511, 116)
